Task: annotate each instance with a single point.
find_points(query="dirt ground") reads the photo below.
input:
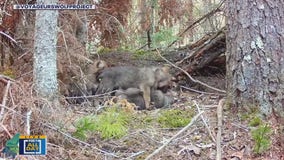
(146, 137)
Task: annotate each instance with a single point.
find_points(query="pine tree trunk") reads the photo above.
(255, 54)
(45, 71)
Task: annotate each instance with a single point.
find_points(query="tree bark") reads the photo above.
(255, 54)
(45, 71)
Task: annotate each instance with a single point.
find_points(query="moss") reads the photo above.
(228, 104)
(175, 118)
(145, 54)
(244, 116)
(256, 121)
(251, 112)
(149, 120)
(9, 73)
(253, 109)
(140, 53)
(170, 118)
(112, 123)
(142, 120)
(103, 50)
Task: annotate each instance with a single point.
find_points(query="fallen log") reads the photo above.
(205, 51)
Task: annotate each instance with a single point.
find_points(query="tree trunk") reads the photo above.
(45, 78)
(255, 54)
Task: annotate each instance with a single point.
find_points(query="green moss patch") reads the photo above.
(175, 118)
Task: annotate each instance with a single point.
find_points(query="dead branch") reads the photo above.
(205, 123)
(189, 76)
(28, 122)
(6, 130)
(9, 37)
(175, 136)
(201, 92)
(135, 154)
(205, 44)
(219, 116)
(5, 100)
(5, 79)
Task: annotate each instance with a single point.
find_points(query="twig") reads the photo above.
(189, 76)
(6, 77)
(6, 130)
(9, 37)
(28, 120)
(91, 96)
(142, 47)
(240, 127)
(12, 98)
(201, 92)
(27, 52)
(205, 123)
(218, 142)
(134, 155)
(205, 146)
(175, 136)
(4, 100)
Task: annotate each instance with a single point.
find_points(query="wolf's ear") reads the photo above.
(166, 69)
(100, 64)
(162, 72)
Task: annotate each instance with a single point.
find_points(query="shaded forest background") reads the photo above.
(124, 25)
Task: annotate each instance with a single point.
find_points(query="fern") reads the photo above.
(113, 123)
(84, 126)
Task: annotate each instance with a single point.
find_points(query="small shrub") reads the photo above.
(261, 138)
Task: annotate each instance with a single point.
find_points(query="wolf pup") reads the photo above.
(125, 77)
(160, 99)
(92, 72)
(135, 95)
(165, 79)
(132, 95)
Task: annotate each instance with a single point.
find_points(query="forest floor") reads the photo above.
(154, 134)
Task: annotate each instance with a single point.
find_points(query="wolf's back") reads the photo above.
(119, 77)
